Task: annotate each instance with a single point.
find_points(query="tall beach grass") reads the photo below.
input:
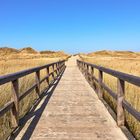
(10, 66)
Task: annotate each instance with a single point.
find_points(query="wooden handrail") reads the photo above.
(13, 105)
(10, 77)
(119, 96)
(126, 77)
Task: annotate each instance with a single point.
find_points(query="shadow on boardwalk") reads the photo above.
(35, 114)
(74, 112)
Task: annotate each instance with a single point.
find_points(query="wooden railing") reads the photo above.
(13, 105)
(88, 70)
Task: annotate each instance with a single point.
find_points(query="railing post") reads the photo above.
(15, 108)
(120, 97)
(100, 91)
(60, 66)
(80, 66)
(47, 79)
(57, 69)
(87, 68)
(83, 67)
(92, 71)
(88, 72)
(53, 71)
(92, 74)
(38, 82)
(64, 65)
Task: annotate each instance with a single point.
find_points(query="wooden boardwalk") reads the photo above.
(72, 112)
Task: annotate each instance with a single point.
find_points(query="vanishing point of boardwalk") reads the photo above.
(71, 112)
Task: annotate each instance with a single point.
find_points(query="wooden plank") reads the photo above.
(131, 110)
(92, 79)
(38, 82)
(83, 67)
(6, 108)
(57, 72)
(47, 78)
(15, 99)
(100, 90)
(88, 71)
(53, 72)
(113, 94)
(59, 67)
(27, 92)
(120, 97)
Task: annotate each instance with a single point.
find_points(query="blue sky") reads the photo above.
(70, 25)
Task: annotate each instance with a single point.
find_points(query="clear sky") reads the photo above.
(70, 25)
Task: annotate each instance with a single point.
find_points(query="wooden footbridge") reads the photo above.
(68, 110)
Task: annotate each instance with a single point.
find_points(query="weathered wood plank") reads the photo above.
(100, 90)
(120, 98)
(38, 82)
(6, 108)
(113, 94)
(131, 110)
(15, 99)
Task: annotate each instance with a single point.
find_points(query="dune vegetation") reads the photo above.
(12, 60)
(127, 62)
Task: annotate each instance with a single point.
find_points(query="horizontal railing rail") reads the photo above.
(10, 77)
(122, 105)
(13, 105)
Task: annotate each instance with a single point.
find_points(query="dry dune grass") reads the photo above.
(29, 53)
(24, 84)
(13, 61)
(127, 64)
(28, 50)
(115, 54)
